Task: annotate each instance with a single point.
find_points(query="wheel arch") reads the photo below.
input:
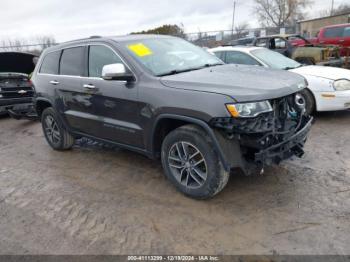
(166, 123)
(41, 104)
(307, 89)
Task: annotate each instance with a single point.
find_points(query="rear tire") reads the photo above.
(55, 133)
(191, 163)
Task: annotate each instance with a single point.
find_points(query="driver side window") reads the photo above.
(99, 56)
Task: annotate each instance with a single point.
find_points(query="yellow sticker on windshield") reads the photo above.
(140, 49)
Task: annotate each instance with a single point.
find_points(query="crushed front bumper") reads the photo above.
(252, 143)
(286, 149)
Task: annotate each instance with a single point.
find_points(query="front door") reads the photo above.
(115, 103)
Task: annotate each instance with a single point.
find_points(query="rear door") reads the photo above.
(115, 103)
(75, 100)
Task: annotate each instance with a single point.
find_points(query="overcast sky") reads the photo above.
(71, 19)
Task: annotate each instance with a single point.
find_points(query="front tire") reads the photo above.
(310, 104)
(191, 163)
(55, 133)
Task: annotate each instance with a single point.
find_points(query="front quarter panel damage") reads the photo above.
(266, 139)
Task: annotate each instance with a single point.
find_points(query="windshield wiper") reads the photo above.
(174, 72)
(210, 65)
(292, 67)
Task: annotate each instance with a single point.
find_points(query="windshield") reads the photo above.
(164, 56)
(275, 60)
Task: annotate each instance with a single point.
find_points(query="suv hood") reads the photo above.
(242, 83)
(328, 72)
(15, 62)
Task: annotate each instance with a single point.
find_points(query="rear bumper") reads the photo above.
(8, 103)
(18, 108)
(292, 146)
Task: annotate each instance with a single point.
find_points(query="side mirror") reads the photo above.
(117, 72)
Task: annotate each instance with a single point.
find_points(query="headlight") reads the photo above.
(341, 85)
(249, 109)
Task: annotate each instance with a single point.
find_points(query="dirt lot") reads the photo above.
(96, 200)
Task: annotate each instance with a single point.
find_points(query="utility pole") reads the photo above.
(233, 16)
(332, 9)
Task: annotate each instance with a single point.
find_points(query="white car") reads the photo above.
(329, 87)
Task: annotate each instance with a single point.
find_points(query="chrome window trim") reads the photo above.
(86, 77)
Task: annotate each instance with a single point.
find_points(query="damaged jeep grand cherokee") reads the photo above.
(166, 98)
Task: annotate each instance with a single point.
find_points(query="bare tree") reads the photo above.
(45, 41)
(17, 45)
(241, 29)
(341, 9)
(23, 45)
(279, 13)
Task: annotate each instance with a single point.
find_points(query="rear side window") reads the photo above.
(72, 61)
(50, 63)
(233, 57)
(99, 56)
(334, 32)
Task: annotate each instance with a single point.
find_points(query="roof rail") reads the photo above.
(95, 36)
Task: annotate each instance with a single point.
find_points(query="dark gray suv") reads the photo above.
(166, 98)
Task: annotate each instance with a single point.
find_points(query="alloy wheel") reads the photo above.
(52, 131)
(187, 165)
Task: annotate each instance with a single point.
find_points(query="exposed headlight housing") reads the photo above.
(341, 85)
(246, 110)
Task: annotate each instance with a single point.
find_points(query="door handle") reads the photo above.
(341, 41)
(54, 82)
(90, 87)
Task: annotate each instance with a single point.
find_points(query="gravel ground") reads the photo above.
(99, 200)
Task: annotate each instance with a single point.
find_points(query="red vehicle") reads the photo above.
(297, 41)
(336, 35)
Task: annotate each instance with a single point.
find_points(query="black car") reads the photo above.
(166, 98)
(16, 89)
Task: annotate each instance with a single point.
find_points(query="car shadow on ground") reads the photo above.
(332, 114)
